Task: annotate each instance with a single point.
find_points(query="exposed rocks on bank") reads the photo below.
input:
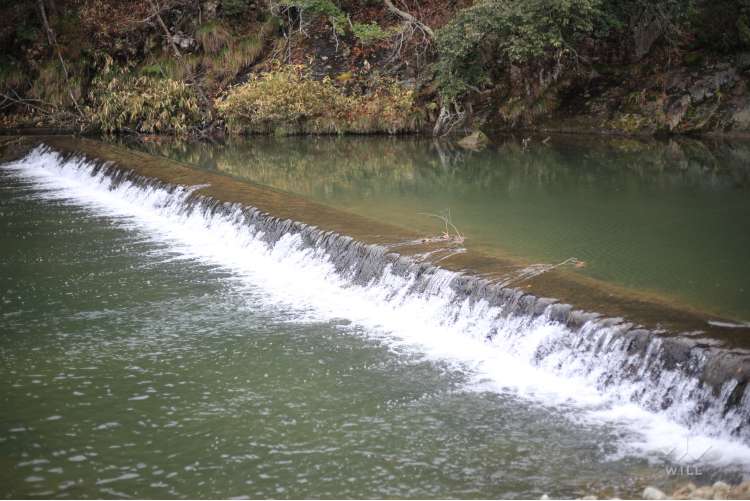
(718, 490)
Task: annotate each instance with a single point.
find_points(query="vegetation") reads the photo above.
(143, 104)
(287, 100)
(361, 66)
(369, 33)
(492, 35)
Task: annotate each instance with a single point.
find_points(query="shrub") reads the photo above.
(287, 100)
(506, 32)
(233, 8)
(11, 77)
(369, 33)
(722, 25)
(166, 66)
(388, 108)
(50, 85)
(327, 8)
(142, 104)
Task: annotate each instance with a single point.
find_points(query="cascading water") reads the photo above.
(663, 388)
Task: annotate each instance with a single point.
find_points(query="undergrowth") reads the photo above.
(287, 100)
(123, 102)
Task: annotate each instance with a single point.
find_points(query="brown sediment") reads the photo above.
(646, 309)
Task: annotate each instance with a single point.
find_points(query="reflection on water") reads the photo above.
(669, 216)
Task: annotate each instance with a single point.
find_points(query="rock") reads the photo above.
(702, 493)
(544, 497)
(709, 85)
(676, 110)
(183, 41)
(653, 493)
(209, 8)
(676, 352)
(721, 490)
(741, 118)
(741, 491)
(474, 141)
(743, 61)
(684, 491)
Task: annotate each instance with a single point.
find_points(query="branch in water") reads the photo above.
(456, 237)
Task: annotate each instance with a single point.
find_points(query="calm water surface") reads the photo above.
(671, 217)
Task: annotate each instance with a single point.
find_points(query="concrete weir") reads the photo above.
(664, 357)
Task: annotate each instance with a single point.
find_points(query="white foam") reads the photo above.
(304, 284)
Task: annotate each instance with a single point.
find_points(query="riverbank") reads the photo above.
(717, 490)
(218, 67)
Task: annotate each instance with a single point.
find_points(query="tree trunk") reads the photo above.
(53, 43)
(170, 39)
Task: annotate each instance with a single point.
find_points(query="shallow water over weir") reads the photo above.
(160, 343)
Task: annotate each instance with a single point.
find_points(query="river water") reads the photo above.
(149, 352)
(667, 217)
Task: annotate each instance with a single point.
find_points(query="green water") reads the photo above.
(130, 370)
(670, 217)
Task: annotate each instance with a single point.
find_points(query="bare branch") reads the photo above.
(409, 18)
(170, 39)
(25, 102)
(53, 43)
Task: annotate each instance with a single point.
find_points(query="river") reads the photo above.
(153, 351)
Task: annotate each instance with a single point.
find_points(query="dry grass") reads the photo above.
(213, 37)
(287, 100)
(240, 54)
(166, 66)
(50, 86)
(11, 78)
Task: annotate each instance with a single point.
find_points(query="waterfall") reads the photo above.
(664, 386)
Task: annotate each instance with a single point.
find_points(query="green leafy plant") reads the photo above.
(336, 17)
(369, 33)
(493, 34)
